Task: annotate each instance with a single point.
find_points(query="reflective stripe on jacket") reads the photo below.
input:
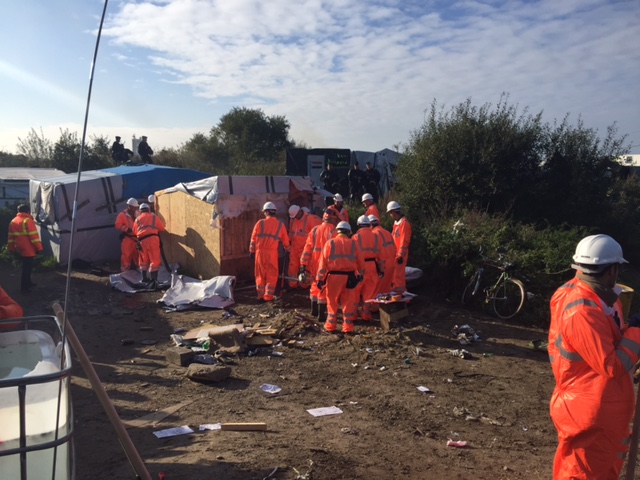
(371, 247)
(267, 233)
(124, 223)
(372, 210)
(340, 254)
(23, 236)
(315, 241)
(299, 229)
(147, 224)
(402, 237)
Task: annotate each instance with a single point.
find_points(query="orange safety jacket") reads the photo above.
(402, 238)
(316, 240)
(593, 401)
(299, 229)
(343, 214)
(340, 254)
(371, 247)
(124, 224)
(267, 233)
(373, 210)
(388, 247)
(147, 225)
(8, 306)
(23, 236)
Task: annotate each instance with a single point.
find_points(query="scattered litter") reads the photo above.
(354, 365)
(465, 334)
(487, 354)
(268, 388)
(228, 315)
(539, 344)
(425, 389)
(205, 358)
(367, 367)
(176, 339)
(348, 430)
(457, 443)
(323, 411)
(462, 353)
(180, 330)
(126, 341)
(173, 432)
(209, 426)
(382, 368)
(353, 403)
(277, 354)
(407, 361)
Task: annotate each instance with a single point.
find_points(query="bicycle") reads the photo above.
(507, 294)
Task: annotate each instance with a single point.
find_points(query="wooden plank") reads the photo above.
(258, 340)
(244, 427)
(155, 417)
(204, 331)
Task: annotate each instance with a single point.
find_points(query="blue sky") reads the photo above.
(355, 74)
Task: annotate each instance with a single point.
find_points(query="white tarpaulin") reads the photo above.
(187, 293)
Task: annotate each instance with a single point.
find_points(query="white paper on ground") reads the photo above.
(210, 426)
(172, 432)
(424, 389)
(322, 411)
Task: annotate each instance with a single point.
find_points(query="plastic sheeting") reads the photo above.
(188, 293)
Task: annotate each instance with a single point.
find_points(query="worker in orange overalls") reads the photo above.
(402, 238)
(310, 258)
(9, 308)
(371, 247)
(341, 210)
(341, 268)
(25, 242)
(388, 248)
(147, 228)
(592, 353)
(265, 239)
(300, 224)
(370, 205)
(128, 239)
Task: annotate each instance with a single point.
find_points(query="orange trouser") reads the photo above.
(339, 296)
(150, 258)
(294, 265)
(367, 289)
(384, 285)
(266, 273)
(129, 253)
(399, 282)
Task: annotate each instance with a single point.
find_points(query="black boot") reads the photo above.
(322, 312)
(145, 277)
(314, 308)
(153, 284)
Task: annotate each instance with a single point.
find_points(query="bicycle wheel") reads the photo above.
(508, 298)
(469, 290)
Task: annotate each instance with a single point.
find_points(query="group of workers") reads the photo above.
(359, 181)
(140, 245)
(341, 270)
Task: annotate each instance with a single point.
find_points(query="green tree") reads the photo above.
(66, 153)
(36, 148)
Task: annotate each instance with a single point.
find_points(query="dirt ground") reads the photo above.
(496, 400)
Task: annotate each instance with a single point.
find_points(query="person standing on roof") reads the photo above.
(300, 224)
(341, 210)
(371, 181)
(329, 179)
(265, 239)
(356, 182)
(25, 242)
(119, 153)
(402, 238)
(371, 247)
(341, 268)
(147, 228)
(145, 151)
(310, 259)
(370, 205)
(388, 248)
(128, 240)
(592, 353)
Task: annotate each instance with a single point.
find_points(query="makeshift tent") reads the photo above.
(209, 222)
(385, 161)
(102, 195)
(14, 183)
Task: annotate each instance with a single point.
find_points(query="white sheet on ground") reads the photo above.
(187, 292)
(129, 280)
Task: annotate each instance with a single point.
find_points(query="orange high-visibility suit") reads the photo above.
(299, 229)
(340, 257)
(24, 239)
(129, 252)
(593, 402)
(373, 210)
(147, 228)
(370, 246)
(402, 238)
(343, 214)
(310, 258)
(9, 308)
(266, 235)
(388, 248)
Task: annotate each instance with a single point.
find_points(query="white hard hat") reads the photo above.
(343, 226)
(363, 220)
(373, 219)
(338, 198)
(599, 251)
(293, 210)
(144, 206)
(151, 198)
(367, 196)
(306, 210)
(132, 202)
(393, 206)
(269, 206)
